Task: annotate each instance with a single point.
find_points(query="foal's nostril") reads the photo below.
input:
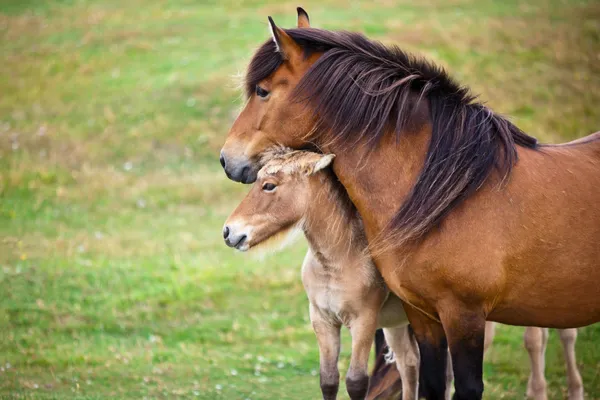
(222, 161)
(225, 232)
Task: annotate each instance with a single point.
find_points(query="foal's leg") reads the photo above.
(568, 338)
(328, 338)
(406, 353)
(535, 342)
(362, 331)
(465, 329)
(433, 350)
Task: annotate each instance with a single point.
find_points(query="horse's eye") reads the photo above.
(260, 92)
(269, 187)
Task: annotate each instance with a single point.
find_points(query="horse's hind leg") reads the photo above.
(568, 338)
(535, 343)
(328, 338)
(406, 355)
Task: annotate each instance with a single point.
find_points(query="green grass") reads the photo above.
(115, 282)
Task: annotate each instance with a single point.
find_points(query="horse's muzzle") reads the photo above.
(238, 170)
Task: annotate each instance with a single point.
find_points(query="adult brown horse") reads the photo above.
(469, 218)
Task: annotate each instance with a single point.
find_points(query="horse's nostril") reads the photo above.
(225, 232)
(222, 161)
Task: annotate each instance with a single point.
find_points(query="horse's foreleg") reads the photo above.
(362, 331)
(568, 338)
(328, 338)
(535, 342)
(406, 354)
(433, 350)
(465, 330)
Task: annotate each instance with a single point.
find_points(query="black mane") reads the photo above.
(363, 89)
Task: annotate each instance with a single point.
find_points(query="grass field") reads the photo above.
(114, 281)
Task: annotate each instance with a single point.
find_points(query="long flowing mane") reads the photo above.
(360, 89)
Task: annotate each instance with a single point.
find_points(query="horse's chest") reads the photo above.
(408, 283)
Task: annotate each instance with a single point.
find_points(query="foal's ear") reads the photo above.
(323, 162)
(303, 20)
(289, 49)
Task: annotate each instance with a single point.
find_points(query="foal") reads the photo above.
(295, 190)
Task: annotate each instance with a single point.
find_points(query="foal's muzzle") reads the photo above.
(238, 170)
(237, 240)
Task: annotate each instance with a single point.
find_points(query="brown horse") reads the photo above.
(469, 218)
(297, 190)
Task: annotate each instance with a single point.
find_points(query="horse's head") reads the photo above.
(277, 202)
(269, 117)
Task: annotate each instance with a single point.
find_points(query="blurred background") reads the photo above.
(114, 279)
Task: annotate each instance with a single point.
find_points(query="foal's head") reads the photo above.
(277, 203)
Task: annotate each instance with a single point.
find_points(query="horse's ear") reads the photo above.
(303, 20)
(323, 162)
(289, 49)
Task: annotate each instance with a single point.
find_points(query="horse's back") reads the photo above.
(587, 143)
(593, 139)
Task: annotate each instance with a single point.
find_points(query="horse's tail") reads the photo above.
(379, 341)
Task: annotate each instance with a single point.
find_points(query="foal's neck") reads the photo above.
(332, 225)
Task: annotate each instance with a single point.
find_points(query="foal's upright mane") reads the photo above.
(363, 89)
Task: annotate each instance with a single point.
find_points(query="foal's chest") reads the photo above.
(337, 291)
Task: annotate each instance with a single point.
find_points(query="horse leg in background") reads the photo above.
(536, 340)
(405, 349)
(490, 332)
(568, 337)
(433, 350)
(385, 382)
(362, 331)
(465, 330)
(379, 341)
(328, 338)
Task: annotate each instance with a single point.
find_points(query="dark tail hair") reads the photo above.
(385, 382)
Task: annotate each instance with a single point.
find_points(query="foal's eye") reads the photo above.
(269, 187)
(260, 92)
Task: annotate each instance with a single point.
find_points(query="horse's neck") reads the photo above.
(332, 225)
(379, 180)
